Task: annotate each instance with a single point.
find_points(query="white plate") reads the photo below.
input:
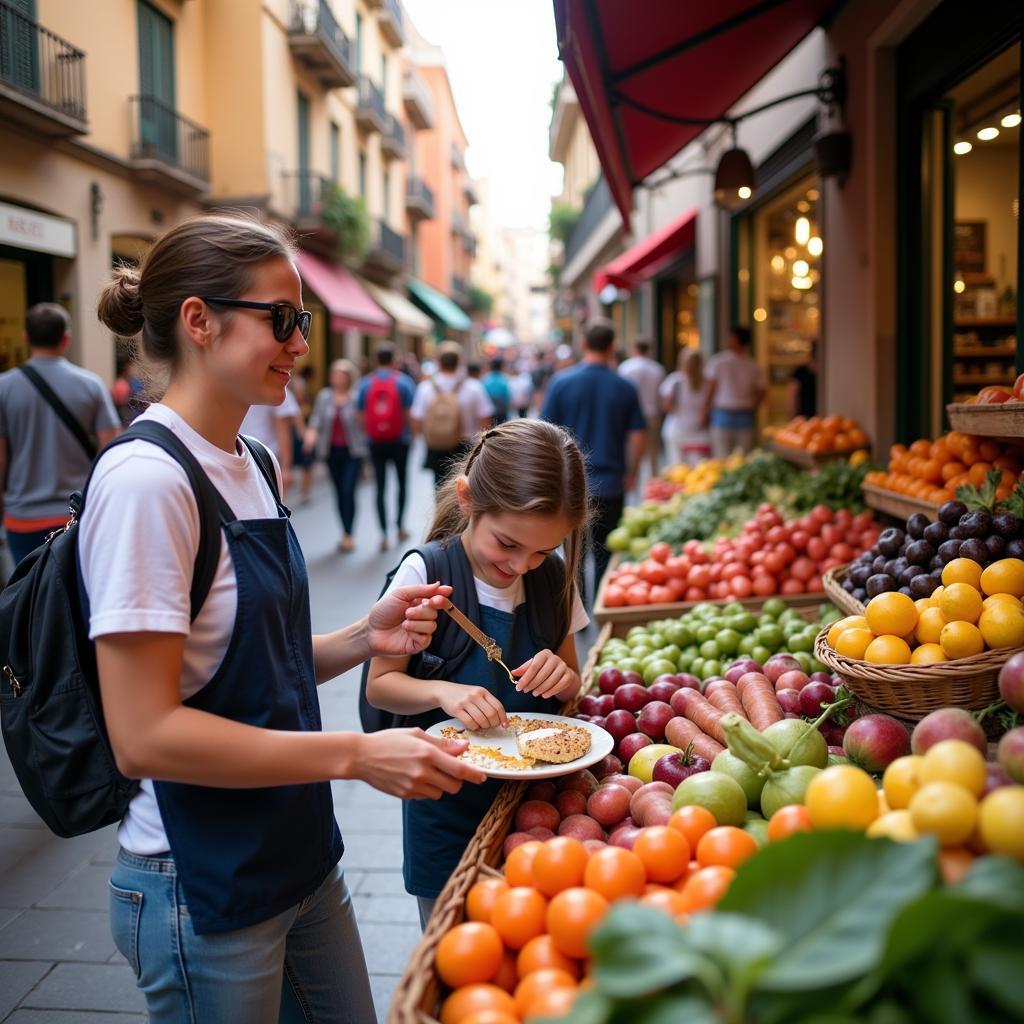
(601, 744)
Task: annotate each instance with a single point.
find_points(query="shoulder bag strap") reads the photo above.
(64, 414)
(262, 458)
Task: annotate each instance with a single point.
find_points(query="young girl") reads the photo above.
(228, 879)
(683, 396)
(518, 495)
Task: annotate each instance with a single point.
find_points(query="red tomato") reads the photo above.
(695, 594)
(862, 520)
(661, 552)
(677, 587)
(764, 585)
(700, 577)
(777, 534)
(821, 514)
(831, 534)
(867, 539)
(720, 590)
(787, 552)
(757, 558)
(677, 567)
(799, 539)
(816, 549)
(765, 506)
(661, 595)
(692, 545)
(774, 562)
(699, 557)
(829, 563)
(803, 569)
(614, 596)
(716, 571)
(653, 572)
(638, 593)
(627, 579)
(852, 537)
(843, 518)
(843, 552)
(731, 569)
(814, 584)
(741, 586)
(792, 586)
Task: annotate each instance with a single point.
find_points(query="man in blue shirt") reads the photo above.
(602, 410)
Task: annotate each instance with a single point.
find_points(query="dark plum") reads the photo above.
(956, 533)
(1006, 524)
(905, 591)
(936, 563)
(951, 511)
(974, 549)
(878, 565)
(890, 541)
(859, 575)
(923, 585)
(936, 533)
(880, 583)
(896, 566)
(1015, 548)
(920, 552)
(976, 524)
(848, 585)
(917, 524)
(908, 574)
(949, 549)
(860, 594)
(996, 545)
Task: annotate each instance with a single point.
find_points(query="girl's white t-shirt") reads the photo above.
(413, 572)
(137, 545)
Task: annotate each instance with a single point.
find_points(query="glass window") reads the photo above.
(335, 152)
(359, 42)
(362, 175)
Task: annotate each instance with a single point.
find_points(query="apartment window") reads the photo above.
(335, 152)
(362, 175)
(387, 195)
(384, 77)
(156, 79)
(359, 42)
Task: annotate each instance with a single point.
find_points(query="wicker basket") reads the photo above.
(899, 506)
(832, 581)
(913, 691)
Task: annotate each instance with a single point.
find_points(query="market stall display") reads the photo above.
(810, 441)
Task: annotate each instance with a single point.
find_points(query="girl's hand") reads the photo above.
(474, 706)
(402, 623)
(546, 675)
(408, 763)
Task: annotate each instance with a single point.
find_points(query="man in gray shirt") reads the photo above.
(41, 460)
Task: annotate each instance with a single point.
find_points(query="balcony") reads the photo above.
(168, 149)
(386, 255)
(419, 199)
(460, 290)
(42, 77)
(318, 41)
(469, 242)
(392, 140)
(418, 100)
(458, 223)
(455, 155)
(306, 193)
(370, 113)
(469, 190)
(389, 18)
(595, 209)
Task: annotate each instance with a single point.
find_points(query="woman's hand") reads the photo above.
(547, 675)
(474, 706)
(402, 622)
(408, 763)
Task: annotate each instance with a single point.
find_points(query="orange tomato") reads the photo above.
(670, 901)
(559, 865)
(788, 820)
(539, 982)
(614, 873)
(693, 821)
(725, 846)
(707, 887)
(490, 1017)
(978, 472)
(540, 953)
(482, 896)
(519, 863)
(469, 952)
(519, 915)
(572, 915)
(472, 999)
(665, 853)
(553, 1004)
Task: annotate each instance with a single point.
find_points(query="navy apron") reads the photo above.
(435, 833)
(246, 855)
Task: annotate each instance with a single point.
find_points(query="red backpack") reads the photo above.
(384, 416)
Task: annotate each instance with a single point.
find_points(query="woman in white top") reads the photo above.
(683, 398)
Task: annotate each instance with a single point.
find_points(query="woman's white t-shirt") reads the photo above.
(687, 414)
(137, 545)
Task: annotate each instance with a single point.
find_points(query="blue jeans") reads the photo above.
(237, 976)
(22, 544)
(344, 469)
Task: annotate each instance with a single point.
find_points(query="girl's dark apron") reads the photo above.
(436, 832)
(245, 855)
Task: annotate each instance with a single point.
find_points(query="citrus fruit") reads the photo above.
(927, 654)
(508, 974)
(962, 570)
(490, 1017)
(788, 820)
(850, 622)
(693, 821)
(961, 640)
(922, 603)
(929, 626)
(614, 873)
(482, 896)
(1009, 599)
(1002, 625)
(891, 613)
(559, 864)
(665, 853)
(946, 810)
(842, 796)
(1001, 821)
(470, 999)
(470, 952)
(551, 1005)
(852, 643)
(888, 650)
(721, 794)
(669, 901)
(572, 915)
(902, 779)
(725, 846)
(540, 953)
(954, 761)
(960, 602)
(539, 982)
(894, 825)
(1004, 577)
(519, 863)
(706, 887)
(518, 915)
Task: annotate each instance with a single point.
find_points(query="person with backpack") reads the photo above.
(54, 417)
(496, 384)
(514, 499)
(385, 397)
(449, 410)
(335, 434)
(227, 896)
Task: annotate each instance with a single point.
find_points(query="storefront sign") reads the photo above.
(27, 229)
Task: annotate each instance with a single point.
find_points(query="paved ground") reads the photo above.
(58, 964)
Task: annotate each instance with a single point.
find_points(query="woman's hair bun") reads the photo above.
(120, 303)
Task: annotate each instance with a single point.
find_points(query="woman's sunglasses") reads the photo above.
(284, 317)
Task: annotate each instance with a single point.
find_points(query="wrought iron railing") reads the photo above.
(390, 243)
(417, 188)
(36, 61)
(159, 132)
(315, 18)
(415, 91)
(394, 8)
(597, 204)
(456, 157)
(307, 192)
(393, 130)
(371, 98)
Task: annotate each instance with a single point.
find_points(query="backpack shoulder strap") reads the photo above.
(543, 590)
(262, 458)
(64, 414)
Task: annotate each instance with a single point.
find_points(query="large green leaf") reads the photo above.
(996, 971)
(588, 1008)
(831, 896)
(670, 1008)
(997, 878)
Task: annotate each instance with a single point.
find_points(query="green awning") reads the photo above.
(439, 306)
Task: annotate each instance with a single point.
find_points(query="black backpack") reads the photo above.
(446, 561)
(50, 709)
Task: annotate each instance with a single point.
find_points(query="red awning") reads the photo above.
(686, 60)
(345, 298)
(648, 258)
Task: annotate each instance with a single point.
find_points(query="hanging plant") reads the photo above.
(346, 216)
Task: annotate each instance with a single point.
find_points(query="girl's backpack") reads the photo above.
(446, 561)
(50, 709)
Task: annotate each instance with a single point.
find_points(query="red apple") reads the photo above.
(673, 768)
(995, 777)
(741, 667)
(609, 804)
(620, 724)
(633, 677)
(947, 724)
(875, 741)
(625, 836)
(630, 782)
(777, 664)
(789, 700)
(605, 704)
(588, 705)
(795, 680)
(630, 697)
(609, 680)
(571, 801)
(662, 690)
(630, 744)
(608, 765)
(1010, 753)
(687, 681)
(653, 718)
(1011, 680)
(813, 696)
(581, 780)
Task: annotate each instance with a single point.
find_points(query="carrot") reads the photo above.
(758, 697)
(703, 714)
(681, 732)
(725, 697)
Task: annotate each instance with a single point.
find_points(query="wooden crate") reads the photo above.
(808, 460)
(1006, 420)
(900, 506)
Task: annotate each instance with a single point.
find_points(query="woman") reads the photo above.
(335, 433)
(683, 397)
(227, 897)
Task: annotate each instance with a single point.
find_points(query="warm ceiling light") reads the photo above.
(962, 147)
(803, 206)
(812, 194)
(801, 283)
(760, 315)
(815, 245)
(959, 287)
(802, 231)
(801, 268)
(1010, 120)
(734, 179)
(778, 264)
(988, 133)
(744, 192)
(789, 252)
